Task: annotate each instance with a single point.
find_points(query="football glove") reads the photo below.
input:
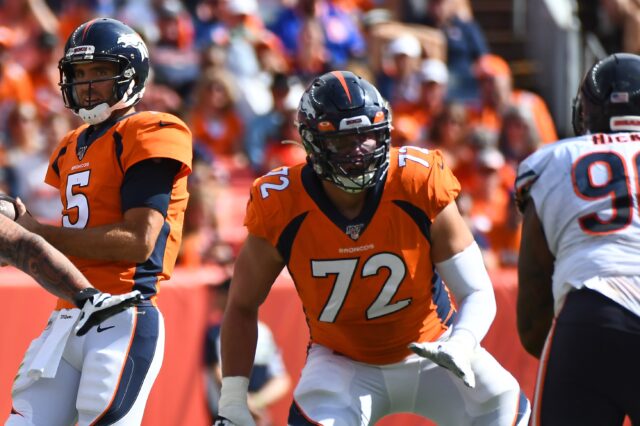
(449, 354)
(97, 306)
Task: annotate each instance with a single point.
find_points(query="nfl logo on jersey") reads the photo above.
(353, 231)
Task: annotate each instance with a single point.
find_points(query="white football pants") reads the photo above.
(103, 377)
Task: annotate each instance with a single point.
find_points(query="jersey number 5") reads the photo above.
(345, 269)
(616, 186)
(77, 200)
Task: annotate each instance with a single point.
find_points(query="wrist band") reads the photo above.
(234, 390)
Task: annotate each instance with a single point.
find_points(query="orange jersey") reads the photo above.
(90, 183)
(368, 286)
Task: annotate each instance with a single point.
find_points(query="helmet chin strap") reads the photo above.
(95, 115)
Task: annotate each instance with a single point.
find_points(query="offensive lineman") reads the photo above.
(368, 233)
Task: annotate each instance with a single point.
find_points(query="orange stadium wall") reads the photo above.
(178, 396)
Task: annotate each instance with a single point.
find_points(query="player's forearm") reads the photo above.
(535, 277)
(534, 313)
(31, 254)
(239, 335)
(115, 242)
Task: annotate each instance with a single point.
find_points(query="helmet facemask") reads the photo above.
(345, 125)
(353, 160)
(97, 112)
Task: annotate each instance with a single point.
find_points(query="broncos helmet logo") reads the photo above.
(134, 41)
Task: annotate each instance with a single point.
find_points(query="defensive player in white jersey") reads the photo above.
(579, 280)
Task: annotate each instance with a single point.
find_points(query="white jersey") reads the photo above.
(585, 190)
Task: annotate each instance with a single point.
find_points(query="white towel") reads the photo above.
(46, 361)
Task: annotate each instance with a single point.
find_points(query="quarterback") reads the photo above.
(122, 178)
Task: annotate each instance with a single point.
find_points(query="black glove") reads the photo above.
(97, 306)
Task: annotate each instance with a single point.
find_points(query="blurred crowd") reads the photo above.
(234, 70)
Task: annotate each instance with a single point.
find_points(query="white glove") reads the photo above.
(449, 354)
(233, 409)
(97, 306)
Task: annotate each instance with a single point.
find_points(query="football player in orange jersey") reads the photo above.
(368, 234)
(122, 179)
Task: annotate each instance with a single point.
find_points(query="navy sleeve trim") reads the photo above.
(149, 184)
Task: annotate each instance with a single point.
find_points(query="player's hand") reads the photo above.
(449, 354)
(97, 306)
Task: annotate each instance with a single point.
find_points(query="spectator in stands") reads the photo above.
(175, 60)
(208, 27)
(314, 58)
(616, 23)
(267, 130)
(45, 75)
(518, 136)
(245, 32)
(269, 381)
(431, 100)
(403, 84)
(160, 97)
(434, 78)
(215, 122)
(497, 95)
(448, 133)
(32, 138)
(465, 44)
(15, 83)
(342, 37)
(201, 240)
(505, 237)
(490, 197)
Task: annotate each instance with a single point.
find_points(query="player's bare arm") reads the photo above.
(256, 268)
(31, 254)
(535, 271)
(133, 239)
